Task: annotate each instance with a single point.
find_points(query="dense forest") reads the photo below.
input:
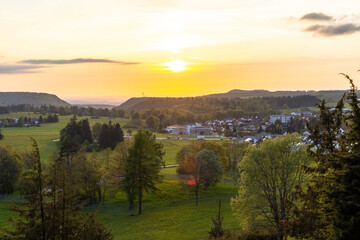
(203, 105)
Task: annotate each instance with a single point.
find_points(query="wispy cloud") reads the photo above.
(333, 30)
(316, 17)
(73, 61)
(13, 69)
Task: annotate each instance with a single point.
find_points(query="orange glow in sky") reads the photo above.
(176, 48)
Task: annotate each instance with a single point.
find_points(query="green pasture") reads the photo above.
(170, 213)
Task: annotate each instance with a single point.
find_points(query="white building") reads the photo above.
(282, 118)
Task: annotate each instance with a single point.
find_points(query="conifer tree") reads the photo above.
(330, 206)
(142, 167)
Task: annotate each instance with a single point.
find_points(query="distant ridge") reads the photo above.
(147, 103)
(32, 98)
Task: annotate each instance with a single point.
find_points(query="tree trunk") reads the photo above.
(131, 204)
(140, 199)
(197, 194)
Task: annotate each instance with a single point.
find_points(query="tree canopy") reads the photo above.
(269, 174)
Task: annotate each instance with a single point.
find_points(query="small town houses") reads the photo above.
(19, 122)
(252, 127)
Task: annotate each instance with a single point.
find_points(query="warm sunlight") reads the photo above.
(177, 65)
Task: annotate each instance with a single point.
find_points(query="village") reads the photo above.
(252, 129)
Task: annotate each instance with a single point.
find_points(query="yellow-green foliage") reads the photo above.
(269, 174)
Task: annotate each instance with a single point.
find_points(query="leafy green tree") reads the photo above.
(10, 169)
(195, 147)
(142, 167)
(152, 122)
(201, 171)
(86, 173)
(269, 174)
(20, 121)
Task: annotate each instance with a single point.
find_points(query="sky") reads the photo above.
(116, 49)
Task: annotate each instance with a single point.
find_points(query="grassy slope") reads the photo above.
(169, 214)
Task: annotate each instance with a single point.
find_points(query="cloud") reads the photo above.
(72, 61)
(316, 17)
(13, 69)
(332, 30)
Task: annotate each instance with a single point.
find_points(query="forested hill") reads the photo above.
(207, 105)
(146, 103)
(31, 98)
(329, 95)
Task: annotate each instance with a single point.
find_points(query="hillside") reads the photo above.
(204, 105)
(32, 98)
(328, 95)
(147, 103)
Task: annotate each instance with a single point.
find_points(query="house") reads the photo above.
(283, 118)
(177, 129)
(200, 130)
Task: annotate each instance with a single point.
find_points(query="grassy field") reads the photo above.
(170, 213)
(45, 135)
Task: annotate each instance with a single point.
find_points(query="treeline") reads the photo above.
(78, 133)
(203, 105)
(162, 112)
(73, 110)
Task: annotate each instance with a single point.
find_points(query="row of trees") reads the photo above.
(77, 133)
(72, 110)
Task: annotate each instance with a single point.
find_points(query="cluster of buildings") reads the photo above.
(245, 125)
(285, 118)
(195, 129)
(15, 122)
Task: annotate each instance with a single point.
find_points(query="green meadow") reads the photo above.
(170, 213)
(47, 134)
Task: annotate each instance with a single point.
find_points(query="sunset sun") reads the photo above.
(177, 65)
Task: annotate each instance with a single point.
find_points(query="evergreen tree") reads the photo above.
(110, 135)
(74, 135)
(142, 167)
(331, 203)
